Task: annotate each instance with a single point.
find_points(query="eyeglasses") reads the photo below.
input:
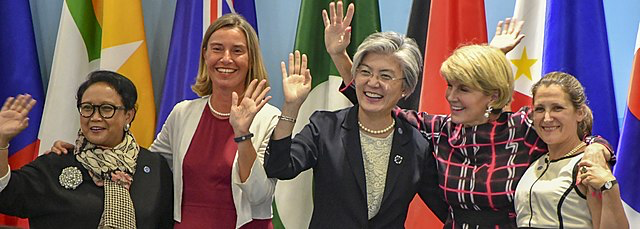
(367, 74)
(106, 111)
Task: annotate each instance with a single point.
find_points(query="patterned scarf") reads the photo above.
(102, 162)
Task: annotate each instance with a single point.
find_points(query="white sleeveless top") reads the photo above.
(546, 196)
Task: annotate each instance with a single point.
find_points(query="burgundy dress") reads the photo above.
(207, 200)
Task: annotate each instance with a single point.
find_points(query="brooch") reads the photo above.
(397, 159)
(70, 177)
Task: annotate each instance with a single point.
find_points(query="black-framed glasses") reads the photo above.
(106, 111)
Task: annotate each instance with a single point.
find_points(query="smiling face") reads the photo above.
(227, 59)
(554, 116)
(98, 130)
(467, 104)
(379, 83)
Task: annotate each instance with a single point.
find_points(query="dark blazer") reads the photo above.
(34, 192)
(330, 144)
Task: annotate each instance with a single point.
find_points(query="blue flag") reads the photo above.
(575, 42)
(184, 49)
(20, 74)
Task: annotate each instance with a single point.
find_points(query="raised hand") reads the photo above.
(507, 35)
(13, 117)
(243, 111)
(337, 29)
(297, 83)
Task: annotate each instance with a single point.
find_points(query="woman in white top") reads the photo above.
(548, 195)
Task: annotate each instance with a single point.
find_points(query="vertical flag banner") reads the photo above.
(293, 197)
(452, 23)
(526, 58)
(576, 42)
(124, 50)
(626, 170)
(417, 29)
(20, 74)
(88, 31)
(191, 20)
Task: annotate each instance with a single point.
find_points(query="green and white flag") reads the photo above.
(293, 198)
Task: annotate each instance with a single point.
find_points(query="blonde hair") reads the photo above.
(574, 90)
(257, 70)
(483, 68)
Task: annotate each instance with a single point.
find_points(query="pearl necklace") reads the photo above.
(393, 123)
(218, 113)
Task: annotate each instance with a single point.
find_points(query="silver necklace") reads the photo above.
(218, 113)
(393, 123)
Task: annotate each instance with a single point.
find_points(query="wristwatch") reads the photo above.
(608, 185)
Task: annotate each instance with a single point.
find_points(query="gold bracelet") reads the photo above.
(6, 147)
(287, 118)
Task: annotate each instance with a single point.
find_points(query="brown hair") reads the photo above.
(257, 70)
(575, 91)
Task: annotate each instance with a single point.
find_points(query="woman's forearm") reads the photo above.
(613, 215)
(4, 161)
(284, 128)
(343, 64)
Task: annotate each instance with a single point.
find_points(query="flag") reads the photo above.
(417, 29)
(86, 32)
(20, 74)
(191, 20)
(452, 23)
(526, 57)
(124, 50)
(628, 156)
(576, 42)
(293, 197)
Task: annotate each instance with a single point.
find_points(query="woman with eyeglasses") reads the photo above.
(109, 181)
(367, 163)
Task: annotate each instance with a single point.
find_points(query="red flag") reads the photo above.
(452, 23)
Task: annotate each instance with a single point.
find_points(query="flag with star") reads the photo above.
(97, 35)
(526, 58)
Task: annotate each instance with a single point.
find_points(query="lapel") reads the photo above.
(352, 149)
(399, 157)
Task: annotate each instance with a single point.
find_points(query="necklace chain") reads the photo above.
(572, 151)
(393, 123)
(218, 113)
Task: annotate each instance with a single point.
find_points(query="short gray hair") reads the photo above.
(400, 46)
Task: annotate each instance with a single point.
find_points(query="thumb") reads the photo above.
(234, 99)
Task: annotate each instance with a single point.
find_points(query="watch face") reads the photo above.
(608, 185)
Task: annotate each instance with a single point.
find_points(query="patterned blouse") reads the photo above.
(479, 167)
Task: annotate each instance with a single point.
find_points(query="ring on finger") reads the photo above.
(583, 169)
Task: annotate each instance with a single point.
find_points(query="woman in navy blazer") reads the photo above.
(367, 164)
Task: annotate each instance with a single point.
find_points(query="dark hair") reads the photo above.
(125, 88)
(575, 91)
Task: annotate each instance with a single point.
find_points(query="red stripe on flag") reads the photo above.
(520, 100)
(452, 23)
(213, 14)
(24, 156)
(634, 90)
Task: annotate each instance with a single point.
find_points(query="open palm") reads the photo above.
(13, 116)
(296, 84)
(337, 29)
(507, 35)
(243, 112)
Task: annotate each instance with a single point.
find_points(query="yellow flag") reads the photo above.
(124, 50)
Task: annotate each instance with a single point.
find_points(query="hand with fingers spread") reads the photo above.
(337, 29)
(507, 35)
(296, 84)
(13, 117)
(243, 111)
